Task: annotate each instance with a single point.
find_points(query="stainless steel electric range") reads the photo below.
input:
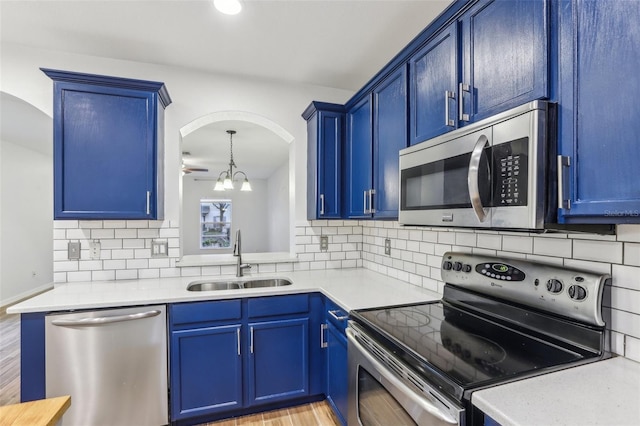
(499, 320)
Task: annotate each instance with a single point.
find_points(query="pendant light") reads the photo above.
(226, 177)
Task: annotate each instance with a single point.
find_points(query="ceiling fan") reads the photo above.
(188, 169)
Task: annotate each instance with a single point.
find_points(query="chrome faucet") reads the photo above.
(237, 251)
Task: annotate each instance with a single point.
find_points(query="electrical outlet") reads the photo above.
(159, 248)
(73, 250)
(324, 242)
(387, 246)
(94, 249)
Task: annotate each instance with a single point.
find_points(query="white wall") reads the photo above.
(26, 204)
(277, 212)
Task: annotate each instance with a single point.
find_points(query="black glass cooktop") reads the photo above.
(458, 345)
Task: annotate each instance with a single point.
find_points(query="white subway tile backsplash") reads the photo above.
(416, 256)
(625, 322)
(489, 241)
(558, 247)
(628, 233)
(465, 239)
(125, 233)
(632, 348)
(632, 254)
(103, 275)
(625, 299)
(127, 274)
(519, 244)
(600, 251)
(626, 276)
(78, 276)
(65, 224)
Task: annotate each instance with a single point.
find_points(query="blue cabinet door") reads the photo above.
(359, 160)
(337, 378)
(389, 137)
(108, 151)
(278, 360)
(325, 132)
(599, 127)
(504, 56)
(206, 371)
(433, 74)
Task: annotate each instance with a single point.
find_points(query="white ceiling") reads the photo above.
(332, 43)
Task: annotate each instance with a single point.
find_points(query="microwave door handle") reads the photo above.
(472, 178)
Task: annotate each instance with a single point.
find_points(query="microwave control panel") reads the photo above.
(510, 173)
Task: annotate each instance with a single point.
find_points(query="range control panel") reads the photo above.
(568, 292)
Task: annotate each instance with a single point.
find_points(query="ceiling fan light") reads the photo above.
(246, 186)
(228, 7)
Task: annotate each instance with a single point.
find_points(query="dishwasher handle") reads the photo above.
(93, 322)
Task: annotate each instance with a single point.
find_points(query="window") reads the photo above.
(215, 224)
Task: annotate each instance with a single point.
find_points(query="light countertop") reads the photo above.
(350, 288)
(603, 393)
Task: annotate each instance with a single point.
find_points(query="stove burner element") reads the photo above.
(403, 317)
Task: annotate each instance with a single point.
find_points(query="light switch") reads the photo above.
(73, 250)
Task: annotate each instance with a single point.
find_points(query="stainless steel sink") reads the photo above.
(237, 285)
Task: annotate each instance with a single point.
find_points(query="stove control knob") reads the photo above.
(457, 266)
(446, 265)
(577, 292)
(554, 286)
(466, 268)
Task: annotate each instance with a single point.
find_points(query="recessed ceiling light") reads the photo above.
(228, 7)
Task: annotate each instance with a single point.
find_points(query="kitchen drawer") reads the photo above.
(336, 315)
(185, 313)
(277, 305)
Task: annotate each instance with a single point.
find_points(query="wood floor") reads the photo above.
(9, 359)
(316, 414)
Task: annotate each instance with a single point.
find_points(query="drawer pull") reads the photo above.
(337, 316)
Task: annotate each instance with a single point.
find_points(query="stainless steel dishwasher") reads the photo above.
(113, 363)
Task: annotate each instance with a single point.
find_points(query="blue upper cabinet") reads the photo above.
(504, 56)
(376, 131)
(389, 137)
(599, 128)
(325, 131)
(492, 58)
(433, 85)
(359, 160)
(108, 146)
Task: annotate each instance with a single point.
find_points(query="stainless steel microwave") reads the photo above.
(496, 173)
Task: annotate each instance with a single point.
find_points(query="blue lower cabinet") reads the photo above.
(206, 373)
(278, 360)
(240, 356)
(337, 384)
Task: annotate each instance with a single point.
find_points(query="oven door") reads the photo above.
(378, 396)
(447, 182)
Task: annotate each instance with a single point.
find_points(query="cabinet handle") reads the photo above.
(238, 335)
(564, 202)
(447, 120)
(251, 340)
(321, 204)
(323, 341)
(372, 209)
(364, 202)
(148, 202)
(338, 318)
(462, 87)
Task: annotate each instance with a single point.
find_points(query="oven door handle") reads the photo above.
(472, 178)
(401, 387)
